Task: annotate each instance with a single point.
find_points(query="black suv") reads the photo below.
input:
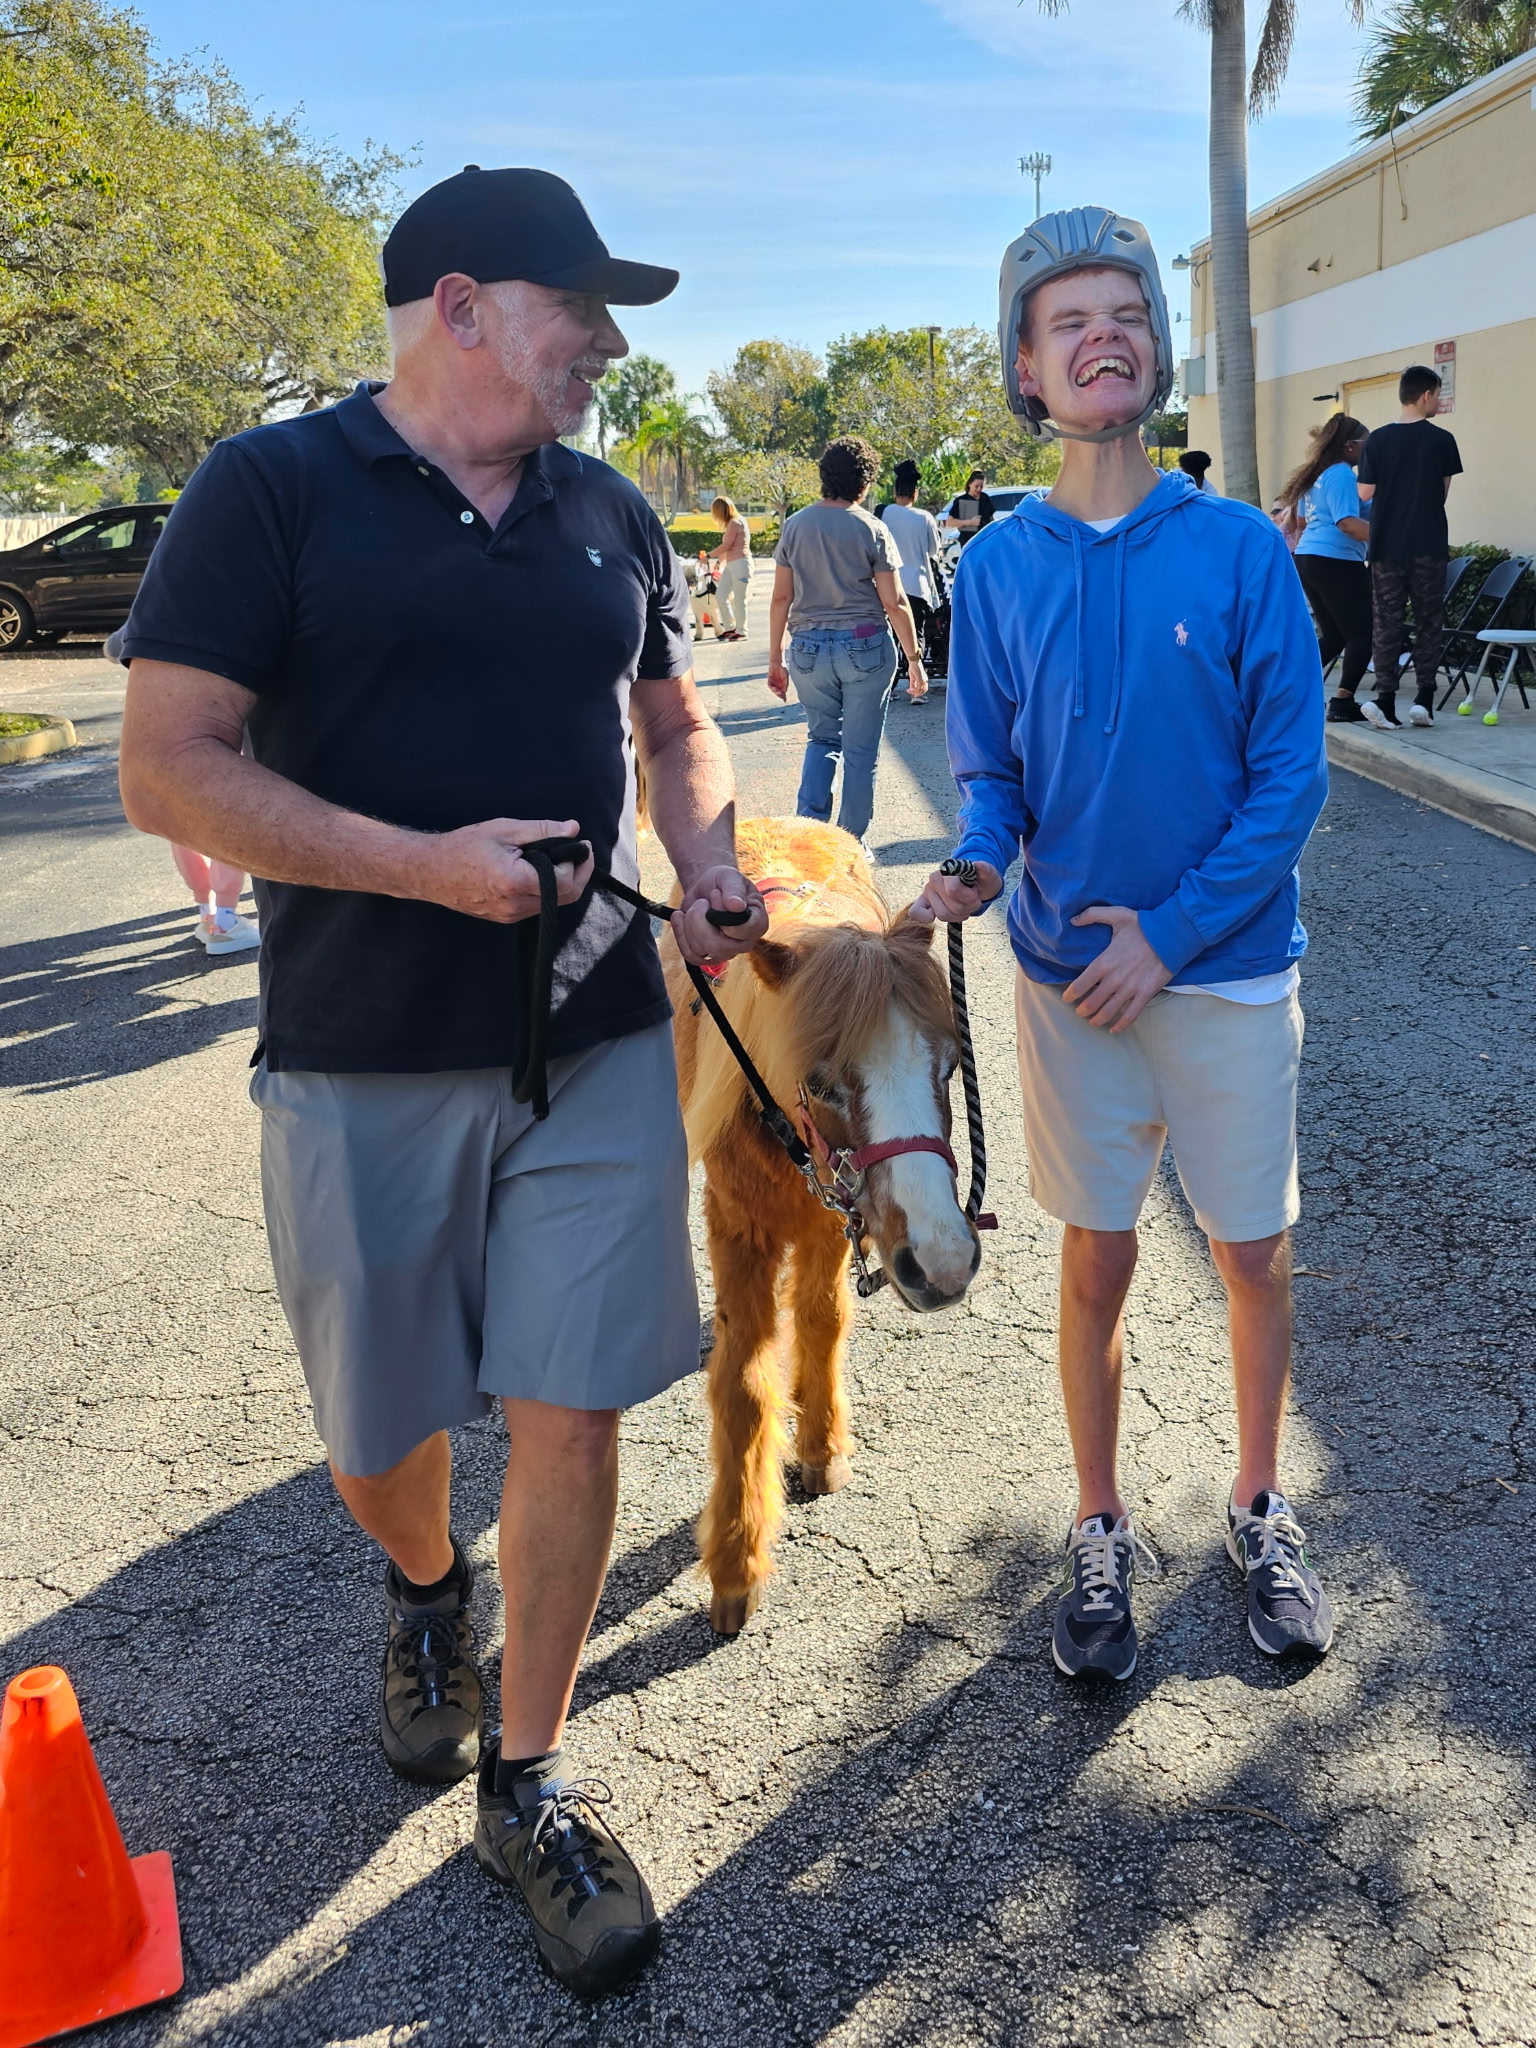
(81, 578)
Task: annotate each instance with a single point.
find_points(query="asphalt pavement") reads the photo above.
(878, 1816)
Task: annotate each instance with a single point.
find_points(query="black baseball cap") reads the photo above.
(491, 225)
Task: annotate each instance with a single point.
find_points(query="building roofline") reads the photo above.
(1492, 87)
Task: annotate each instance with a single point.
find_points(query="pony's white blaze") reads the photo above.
(900, 1102)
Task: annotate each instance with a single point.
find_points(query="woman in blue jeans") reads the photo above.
(836, 589)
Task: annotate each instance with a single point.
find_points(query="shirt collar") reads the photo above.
(372, 439)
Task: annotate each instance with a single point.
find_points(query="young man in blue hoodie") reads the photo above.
(1134, 700)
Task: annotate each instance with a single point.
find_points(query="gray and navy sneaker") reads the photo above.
(542, 1837)
(1288, 1612)
(431, 1712)
(1094, 1635)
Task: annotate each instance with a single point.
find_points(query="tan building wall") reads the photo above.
(1368, 266)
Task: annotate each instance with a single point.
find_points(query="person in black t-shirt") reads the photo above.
(973, 509)
(1405, 478)
(447, 636)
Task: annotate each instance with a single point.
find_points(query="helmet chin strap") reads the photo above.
(1102, 433)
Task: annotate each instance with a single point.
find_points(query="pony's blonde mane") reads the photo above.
(845, 982)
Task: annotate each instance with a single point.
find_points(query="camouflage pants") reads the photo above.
(1394, 587)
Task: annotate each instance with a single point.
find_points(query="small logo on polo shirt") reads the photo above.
(1181, 634)
(594, 556)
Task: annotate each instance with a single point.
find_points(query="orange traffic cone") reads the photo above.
(84, 1932)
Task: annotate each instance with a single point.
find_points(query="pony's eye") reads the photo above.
(827, 1088)
(947, 1066)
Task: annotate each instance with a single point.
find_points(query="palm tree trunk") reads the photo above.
(1229, 251)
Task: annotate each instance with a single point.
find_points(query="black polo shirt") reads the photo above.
(413, 664)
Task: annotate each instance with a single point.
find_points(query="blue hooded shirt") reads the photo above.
(1141, 710)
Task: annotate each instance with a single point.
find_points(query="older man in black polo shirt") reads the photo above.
(447, 636)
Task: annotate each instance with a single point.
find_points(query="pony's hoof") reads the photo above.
(729, 1613)
(829, 1478)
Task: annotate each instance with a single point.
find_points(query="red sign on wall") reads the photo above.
(1445, 365)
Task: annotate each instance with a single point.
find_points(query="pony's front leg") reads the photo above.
(822, 1314)
(746, 1504)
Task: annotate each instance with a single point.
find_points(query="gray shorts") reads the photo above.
(435, 1248)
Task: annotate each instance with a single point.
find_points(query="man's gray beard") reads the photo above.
(547, 386)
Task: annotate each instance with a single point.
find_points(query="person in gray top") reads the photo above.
(836, 590)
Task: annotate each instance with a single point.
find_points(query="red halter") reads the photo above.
(848, 1164)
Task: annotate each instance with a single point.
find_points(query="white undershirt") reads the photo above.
(1260, 988)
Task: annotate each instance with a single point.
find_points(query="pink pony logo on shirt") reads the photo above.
(1181, 634)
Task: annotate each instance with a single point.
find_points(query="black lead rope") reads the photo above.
(530, 1079)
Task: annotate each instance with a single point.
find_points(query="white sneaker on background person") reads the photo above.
(226, 931)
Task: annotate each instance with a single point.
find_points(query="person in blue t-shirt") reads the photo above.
(1324, 499)
(1134, 705)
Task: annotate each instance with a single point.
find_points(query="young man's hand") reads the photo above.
(778, 680)
(1126, 976)
(948, 900)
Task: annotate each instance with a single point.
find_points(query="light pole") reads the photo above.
(1038, 167)
(933, 384)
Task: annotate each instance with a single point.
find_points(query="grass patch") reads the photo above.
(14, 723)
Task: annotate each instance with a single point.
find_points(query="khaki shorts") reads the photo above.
(435, 1248)
(1217, 1080)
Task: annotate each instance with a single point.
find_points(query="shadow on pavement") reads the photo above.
(114, 1000)
(1004, 1861)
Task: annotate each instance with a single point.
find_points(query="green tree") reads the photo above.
(773, 397)
(626, 394)
(879, 385)
(1423, 50)
(172, 267)
(926, 397)
(769, 476)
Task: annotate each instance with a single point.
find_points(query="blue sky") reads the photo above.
(811, 166)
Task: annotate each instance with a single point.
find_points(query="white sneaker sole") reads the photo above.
(1374, 717)
(1419, 716)
(236, 945)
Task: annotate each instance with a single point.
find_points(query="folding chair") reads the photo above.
(1502, 591)
(1520, 641)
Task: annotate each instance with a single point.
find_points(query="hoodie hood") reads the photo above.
(1169, 495)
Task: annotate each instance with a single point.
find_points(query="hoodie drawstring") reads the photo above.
(1114, 694)
(1082, 620)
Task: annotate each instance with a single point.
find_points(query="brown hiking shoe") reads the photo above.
(432, 1712)
(591, 1909)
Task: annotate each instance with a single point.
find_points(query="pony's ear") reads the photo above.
(772, 962)
(907, 932)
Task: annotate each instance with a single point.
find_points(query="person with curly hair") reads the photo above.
(837, 591)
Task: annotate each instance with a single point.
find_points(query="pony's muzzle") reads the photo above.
(940, 1287)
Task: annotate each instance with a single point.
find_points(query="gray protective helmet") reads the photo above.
(1082, 238)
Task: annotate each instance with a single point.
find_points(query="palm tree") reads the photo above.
(672, 428)
(1425, 49)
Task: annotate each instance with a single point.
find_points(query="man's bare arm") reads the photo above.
(184, 778)
(691, 791)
